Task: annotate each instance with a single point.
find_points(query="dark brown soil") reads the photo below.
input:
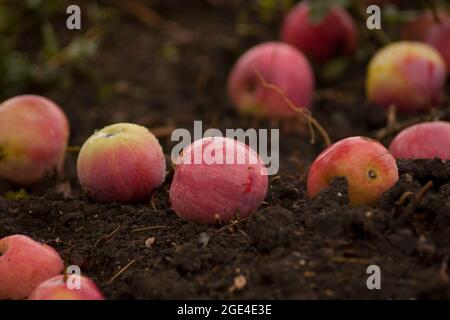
(293, 247)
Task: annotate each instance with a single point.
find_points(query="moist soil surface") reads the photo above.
(293, 247)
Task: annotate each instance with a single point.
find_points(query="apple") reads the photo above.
(426, 140)
(218, 179)
(33, 139)
(57, 288)
(277, 64)
(123, 163)
(24, 264)
(335, 35)
(366, 164)
(409, 75)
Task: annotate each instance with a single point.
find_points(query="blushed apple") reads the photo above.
(123, 163)
(333, 36)
(438, 37)
(33, 139)
(426, 140)
(366, 164)
(277, 64)
(217, 179)
(24, 264)
(410, 75)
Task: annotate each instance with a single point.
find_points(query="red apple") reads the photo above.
(418, 28)
(217, 179)
(24, 264)
(438, 37)
(279, 64)
(335, 35)
(423, 141)
(432, 28)
(366, 164)
(33, 139)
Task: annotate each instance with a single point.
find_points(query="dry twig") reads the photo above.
(73, 149)
(396, 127)
(152, 19)
(413, 205)
(149, 228)
(109, 236)
(312, 122)
(118, 273)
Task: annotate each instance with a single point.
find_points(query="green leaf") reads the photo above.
(33, 4)
(335, 68)
(342, 3)
(319, 8)
(81, 48)
(16, 67)
(17, 195)
(267, 9)
(318, 11)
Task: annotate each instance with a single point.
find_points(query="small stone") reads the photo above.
(203, 239)
(149, 242)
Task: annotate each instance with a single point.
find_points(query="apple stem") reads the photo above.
(230, 225)
(312, 122)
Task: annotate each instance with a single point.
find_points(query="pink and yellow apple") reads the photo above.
(218, 179)
(278, 64)
(123, 163)
(57, 288)
(426, 140)
(366, 164)
(410, 75)
(335, 35)
(24, 264)
(33, 138)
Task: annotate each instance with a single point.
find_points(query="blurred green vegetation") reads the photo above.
(36, 49)
(21, 194)
(268, 9)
